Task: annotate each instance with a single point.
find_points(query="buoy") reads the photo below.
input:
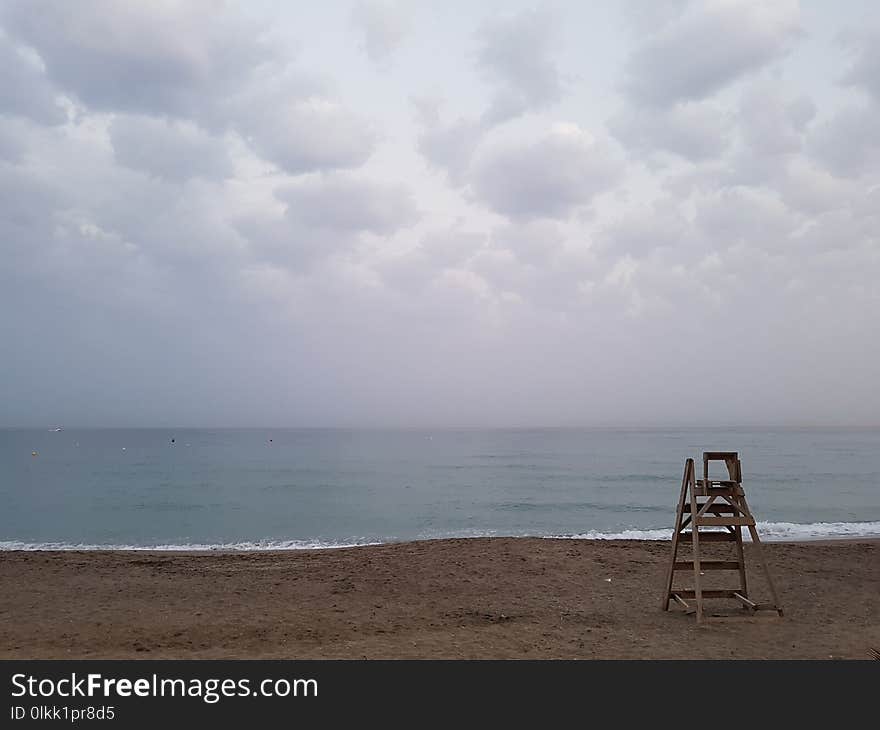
(123, 448)
(33, 453)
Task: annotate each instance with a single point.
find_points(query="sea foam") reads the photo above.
(769, 531)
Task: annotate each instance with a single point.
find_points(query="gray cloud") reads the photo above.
(773, 123)
(147, 278)
(309, 134)
(642, 232)
(517, 57)
(151, 58)
(534, 242)
(196, 61)
(517, 54)
(383, 24)
(865, 71)
(694, 131)
(849, 143)
(547, 178)
(345, 203)
(451, 147)
(707, 47)
(170, 150)
(24, 88)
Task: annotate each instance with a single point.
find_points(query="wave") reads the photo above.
(243, 546)
(768, 531)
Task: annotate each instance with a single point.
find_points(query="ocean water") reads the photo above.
(303, 488)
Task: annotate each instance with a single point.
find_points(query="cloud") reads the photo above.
(746, 216)
(170, 150)
(154, 58)
(197, 227)
(24, 89)
(533, 242)
(348, 204)
(517, 54)
(865, 71)
(517, 57)
(849, 143)
(707, 47)
(451, 147)
(644, 230)
(773, 122)
(305, 135)
(200, 61)
(413, 270)
(692, 130)
(547, 178)
(384, 25)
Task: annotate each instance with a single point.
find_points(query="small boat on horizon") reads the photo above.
(55, 429)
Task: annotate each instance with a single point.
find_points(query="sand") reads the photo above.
(511, 598)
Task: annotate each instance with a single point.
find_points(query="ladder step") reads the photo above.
(702, 491)
(717, 507)
(724, 521)
(708, 565)
(709, 537)
(689, 593)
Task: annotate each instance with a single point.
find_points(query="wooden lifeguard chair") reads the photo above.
(722, 504)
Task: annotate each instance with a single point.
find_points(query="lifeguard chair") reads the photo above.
(715, 510)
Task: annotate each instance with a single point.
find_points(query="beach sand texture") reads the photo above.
(505, 598)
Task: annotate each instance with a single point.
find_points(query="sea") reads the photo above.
(255, 489)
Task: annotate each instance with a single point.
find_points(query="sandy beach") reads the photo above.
(516, 598)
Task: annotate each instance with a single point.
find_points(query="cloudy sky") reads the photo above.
(421, 213)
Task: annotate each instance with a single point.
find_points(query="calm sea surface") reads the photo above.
(307, 488)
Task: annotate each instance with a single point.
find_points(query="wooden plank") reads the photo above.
(745, 601)
(676, 533)
(756, 542)
(725, 521)
(702, 508)
(708, 565)
(717, 483)
(695, 544)
(703, 491)
(741, 559)
(680, 601)
(709, 537)
(706, 593)
(717, 507)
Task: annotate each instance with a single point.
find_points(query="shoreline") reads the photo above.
(223, 550)
(477, 598)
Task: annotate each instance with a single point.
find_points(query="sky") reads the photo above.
(421, 214)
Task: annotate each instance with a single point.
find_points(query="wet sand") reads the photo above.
(516, 598)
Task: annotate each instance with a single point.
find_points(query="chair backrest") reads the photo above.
(731, 461)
